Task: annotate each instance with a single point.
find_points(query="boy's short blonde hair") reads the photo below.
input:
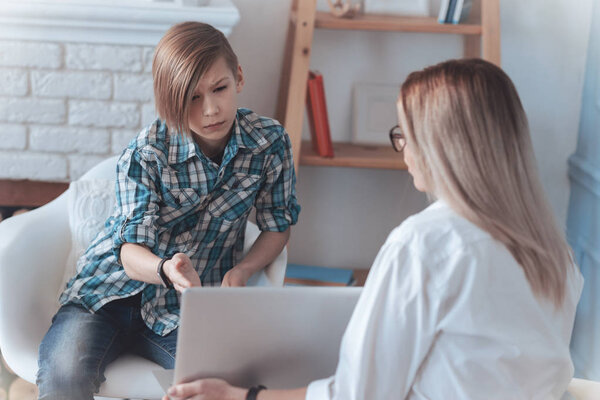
(181, 57)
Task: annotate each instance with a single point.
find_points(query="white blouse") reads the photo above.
(447, 313)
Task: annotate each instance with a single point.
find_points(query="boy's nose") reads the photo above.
(210, 108)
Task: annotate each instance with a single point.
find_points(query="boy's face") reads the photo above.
(214, 106)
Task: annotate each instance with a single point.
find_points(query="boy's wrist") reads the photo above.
(160, 271)
(247, 268)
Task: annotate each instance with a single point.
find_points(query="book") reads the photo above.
(461, 12)
(450, 13)
(443, 11)
(307, 275)
(316, 106)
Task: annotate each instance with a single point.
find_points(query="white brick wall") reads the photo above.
(147, 55)
(13, 137)
(30, 165)
(104, 57)
(148, 113)
(104, 114)
(65, 106)
(120, 139)
(79, 85)
(133, 87)
(30, 54)
(69, 140)
(13, 82)
(31, 109)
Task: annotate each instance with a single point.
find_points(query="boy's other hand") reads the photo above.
(180, 271)
(236, 277)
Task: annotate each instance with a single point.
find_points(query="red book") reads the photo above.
(317, 115)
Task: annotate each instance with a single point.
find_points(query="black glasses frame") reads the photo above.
(397, 138)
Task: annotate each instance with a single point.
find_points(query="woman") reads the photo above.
(474, 297)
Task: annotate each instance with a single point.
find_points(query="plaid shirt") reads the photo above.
(171, 198)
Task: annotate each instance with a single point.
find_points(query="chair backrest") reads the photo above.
(582, 389)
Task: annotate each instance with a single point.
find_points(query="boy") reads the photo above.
(185, 187)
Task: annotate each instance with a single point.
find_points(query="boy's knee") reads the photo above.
(64, 378)
(67, 371)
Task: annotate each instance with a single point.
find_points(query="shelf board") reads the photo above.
(372, 22)
(354, 155)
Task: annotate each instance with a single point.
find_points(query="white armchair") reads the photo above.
(34, 249)
(583, 389)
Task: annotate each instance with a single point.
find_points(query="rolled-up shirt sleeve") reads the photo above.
(276, 204)
(136, 201)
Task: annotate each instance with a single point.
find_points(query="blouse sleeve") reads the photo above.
(390, 332)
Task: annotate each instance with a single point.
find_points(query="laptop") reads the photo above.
(277, 337)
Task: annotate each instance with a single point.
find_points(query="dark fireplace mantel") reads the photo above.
(29, 194)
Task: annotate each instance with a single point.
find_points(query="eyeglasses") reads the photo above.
(397, 138)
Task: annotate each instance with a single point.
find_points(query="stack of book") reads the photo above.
(305, 275)
(318, 120)
(454, 11)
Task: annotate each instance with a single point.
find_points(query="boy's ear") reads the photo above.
(239, 81)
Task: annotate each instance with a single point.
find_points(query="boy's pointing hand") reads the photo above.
(180, 271)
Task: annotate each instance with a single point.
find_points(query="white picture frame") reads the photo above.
(374, 112)
(417, 8)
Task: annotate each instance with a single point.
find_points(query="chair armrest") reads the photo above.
(274, 273)
(583, 389)
(33, 251)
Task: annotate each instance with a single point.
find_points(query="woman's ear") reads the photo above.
(239, 79)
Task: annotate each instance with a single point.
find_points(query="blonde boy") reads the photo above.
(185, 187)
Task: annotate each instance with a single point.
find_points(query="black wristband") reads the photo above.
(161, 274)
(253, 392)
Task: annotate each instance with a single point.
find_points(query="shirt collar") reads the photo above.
(247, 135)
(244, 136)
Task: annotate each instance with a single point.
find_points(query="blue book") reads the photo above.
(318, 276)
(450, 14)
(443, 11)
(461, 13)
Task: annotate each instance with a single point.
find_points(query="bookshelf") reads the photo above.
(368, 22)
(354, 155)
(481, 34)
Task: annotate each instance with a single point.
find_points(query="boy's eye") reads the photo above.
(220, 88)
(194, 97)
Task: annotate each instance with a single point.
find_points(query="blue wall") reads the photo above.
(583, 225)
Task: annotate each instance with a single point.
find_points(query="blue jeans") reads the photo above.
(79, 345)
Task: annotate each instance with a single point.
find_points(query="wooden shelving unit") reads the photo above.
(353, 155)
(388, 23)
(481, 39)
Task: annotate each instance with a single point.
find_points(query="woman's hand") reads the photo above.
(205, 389)
(236, 276)
(180, 271)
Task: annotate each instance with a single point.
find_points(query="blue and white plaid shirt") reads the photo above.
(172, 199)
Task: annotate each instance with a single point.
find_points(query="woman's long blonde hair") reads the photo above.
(469, 135)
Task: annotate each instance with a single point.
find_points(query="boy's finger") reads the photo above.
(178, 288)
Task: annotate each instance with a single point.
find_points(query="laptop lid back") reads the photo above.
(278, 337)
